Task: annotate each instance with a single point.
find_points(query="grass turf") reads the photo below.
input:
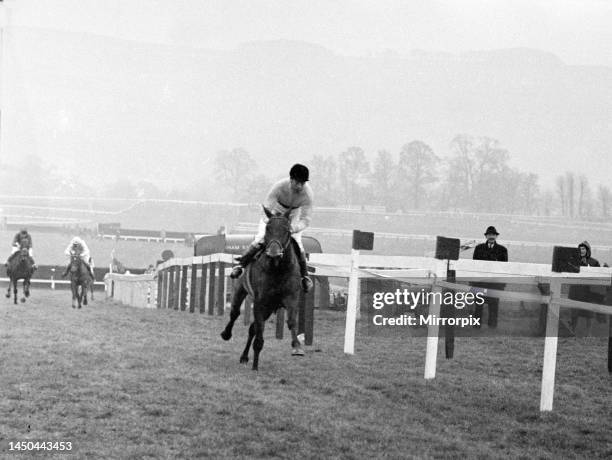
(121, 382)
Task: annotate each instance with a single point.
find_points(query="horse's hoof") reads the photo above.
(254, 368)
(79, 307)
(73, 306)
(297, 352)
(8, 296)
(22, 300)
(226, 335)
(244, 359)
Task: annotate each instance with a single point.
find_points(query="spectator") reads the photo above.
(490, 250)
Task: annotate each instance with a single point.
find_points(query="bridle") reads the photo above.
(274, 241)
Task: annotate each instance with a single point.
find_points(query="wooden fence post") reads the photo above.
(160, 287)
(184, 275)
(192, 289)
(211, 288)
(309, 315)
(221, 289)
(203, 281)
(171, 288)
(177, 287)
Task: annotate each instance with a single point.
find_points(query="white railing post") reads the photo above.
(550, 347)
(351, 305)
(433, 329)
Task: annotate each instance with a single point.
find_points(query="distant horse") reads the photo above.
(19, 267)
(273, 280)
(80, 280)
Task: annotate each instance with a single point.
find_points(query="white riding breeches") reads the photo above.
(16, 248)
(261, 233)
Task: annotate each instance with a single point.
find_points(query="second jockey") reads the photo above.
(22, 239)
(291, 193)
(78, 246)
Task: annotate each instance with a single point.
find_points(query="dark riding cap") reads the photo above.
(299, 172)
(491, 231)
(23, 230)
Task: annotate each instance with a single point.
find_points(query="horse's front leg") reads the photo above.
(15, 291)
(291, 304)
(258, 342)
(26, 288)
(237, 299)
(74, 289)
(84, 291)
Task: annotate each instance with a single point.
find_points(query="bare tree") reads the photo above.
(324, 172)
(384, 178)
(604, 197)
(417, 167)
(233, 169)
(354, 171)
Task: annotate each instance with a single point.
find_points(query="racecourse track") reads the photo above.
(122, 382)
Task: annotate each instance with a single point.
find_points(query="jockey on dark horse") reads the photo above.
(78, 246)
(22, 240)
(295, 194)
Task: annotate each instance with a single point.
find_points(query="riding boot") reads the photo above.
(34, 266)
(65, 274)
(244, 260)
(306, 281)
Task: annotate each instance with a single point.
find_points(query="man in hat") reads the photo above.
(292, 193)
(490, 250)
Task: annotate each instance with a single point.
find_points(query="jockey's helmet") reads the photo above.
(23, 231)
(299, 172)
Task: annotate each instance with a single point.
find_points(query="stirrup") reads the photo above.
(237, 271)
(306, 283)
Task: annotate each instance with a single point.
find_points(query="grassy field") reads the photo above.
(121, 382)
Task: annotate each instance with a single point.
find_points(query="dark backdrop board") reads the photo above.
(237, 244)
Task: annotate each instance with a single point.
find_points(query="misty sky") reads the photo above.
(578, 31)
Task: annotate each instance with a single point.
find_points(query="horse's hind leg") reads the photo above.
(8, 292)
(84, 289)
(237, 300)
(244, 357)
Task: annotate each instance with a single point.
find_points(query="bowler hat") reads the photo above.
(491, 230)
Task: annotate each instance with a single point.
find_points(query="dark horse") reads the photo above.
(273, 280)
(80, 280)
(19, 267)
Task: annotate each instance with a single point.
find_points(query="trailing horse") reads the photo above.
(80, 280)
(19, 267)
(273, 281)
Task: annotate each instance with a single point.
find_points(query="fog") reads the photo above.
(99, 95)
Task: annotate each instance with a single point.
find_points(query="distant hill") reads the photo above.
(143, 111)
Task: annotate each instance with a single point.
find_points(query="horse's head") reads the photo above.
(75, 261)
(278, 233)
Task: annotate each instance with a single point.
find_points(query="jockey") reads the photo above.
(22, 239)
(291, 193)
(78, 246)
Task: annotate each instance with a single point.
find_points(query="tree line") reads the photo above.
(475, 176)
